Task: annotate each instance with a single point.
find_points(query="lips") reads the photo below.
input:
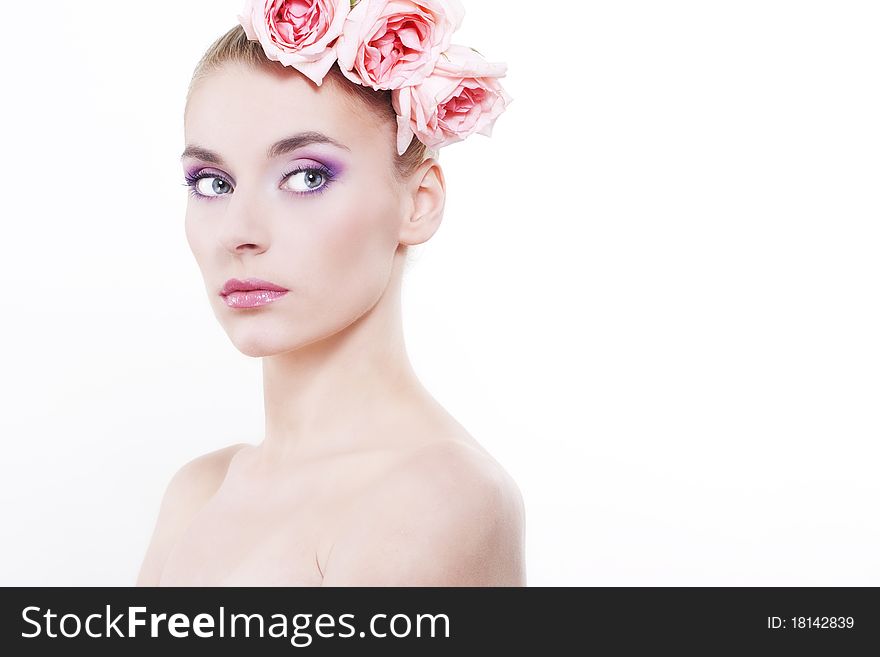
(250, 293)
(249, 285)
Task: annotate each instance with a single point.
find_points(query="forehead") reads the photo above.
(239, 108)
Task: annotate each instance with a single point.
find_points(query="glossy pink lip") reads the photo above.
(236, 285)
(250, 293)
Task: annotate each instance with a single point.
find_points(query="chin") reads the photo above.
(274, 336)
(255, 350)
(259, 345)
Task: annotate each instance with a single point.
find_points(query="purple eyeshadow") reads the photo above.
(330, 167)
(335, 166)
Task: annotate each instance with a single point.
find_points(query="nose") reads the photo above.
(243, 228)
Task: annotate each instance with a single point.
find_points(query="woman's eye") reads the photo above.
(212, 186)
(305, 181)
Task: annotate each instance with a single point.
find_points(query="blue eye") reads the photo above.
(314, 174)
(218, 185)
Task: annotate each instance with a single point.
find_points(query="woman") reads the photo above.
(301, 210)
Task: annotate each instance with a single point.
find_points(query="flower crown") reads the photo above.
(441, 92)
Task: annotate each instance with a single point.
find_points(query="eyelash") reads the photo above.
(191, 181)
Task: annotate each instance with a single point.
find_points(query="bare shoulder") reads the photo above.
(187, 491)
(447, 514)
(199, 478)
(462, 476)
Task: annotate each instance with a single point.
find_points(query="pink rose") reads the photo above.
(387, 44)
(297, 33)
(460, 97)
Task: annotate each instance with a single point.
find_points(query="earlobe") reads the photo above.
(428, 201)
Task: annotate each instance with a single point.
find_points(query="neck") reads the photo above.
(326, 397)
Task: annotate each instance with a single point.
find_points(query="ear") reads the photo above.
(424, 212)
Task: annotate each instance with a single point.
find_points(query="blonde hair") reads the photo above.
(234, 46)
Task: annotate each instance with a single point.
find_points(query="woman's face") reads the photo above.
(328, 233)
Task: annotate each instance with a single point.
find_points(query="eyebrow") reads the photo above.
(281, 147)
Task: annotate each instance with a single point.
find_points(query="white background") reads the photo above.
(653, 297)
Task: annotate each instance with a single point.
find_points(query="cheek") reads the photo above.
(192, 237)
(188, 229)
(354, 246)
(195, 236)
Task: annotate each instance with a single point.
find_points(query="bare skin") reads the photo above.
(362, 477)
(439, 513)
